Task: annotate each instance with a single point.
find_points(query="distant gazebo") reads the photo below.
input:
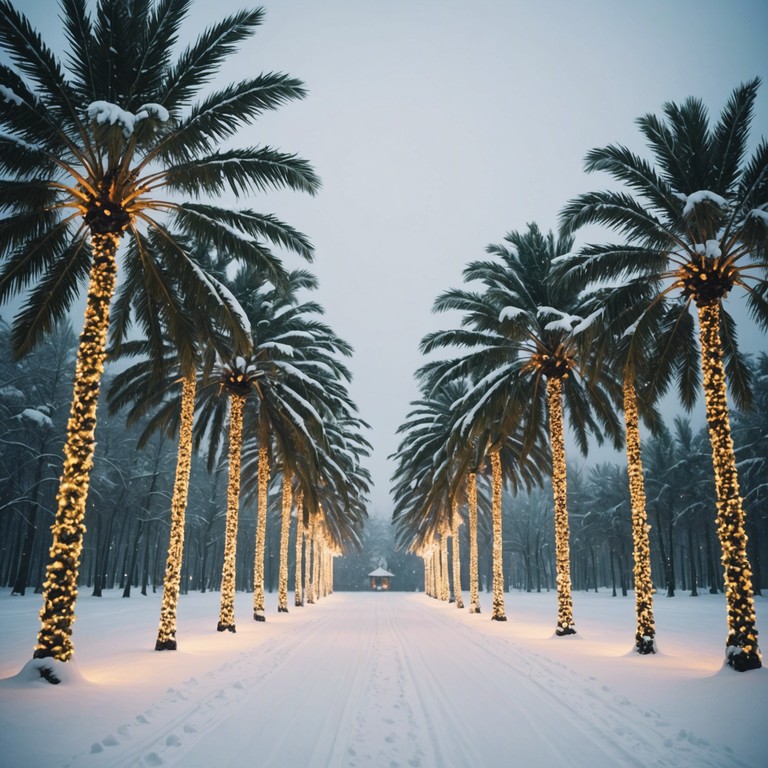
(380, 579)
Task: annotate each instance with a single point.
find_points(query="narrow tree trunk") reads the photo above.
(456, 556)
(565, 624)
(227, 609)
(298, 600)
(645, 634)
(692, 562)
(60, 589)
(285, 530)
(741, 644)
(474, 586)
(498, 553)
(261, 530)
(166, 632)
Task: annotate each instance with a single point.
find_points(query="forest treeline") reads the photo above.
(128, 512)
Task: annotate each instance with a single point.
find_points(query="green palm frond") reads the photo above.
(199, 62)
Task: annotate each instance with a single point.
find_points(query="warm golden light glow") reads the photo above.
(262, 474)
(445, 589)
(60, 586)
(741, 645)
(474, 587)
(166, 633)
(456, 555)
(498, 570)
(227, 609)
(646, 629)
(565, 624)
(309, 536)
(285, 530)
(298, 587)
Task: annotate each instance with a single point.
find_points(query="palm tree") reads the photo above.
(695, 228)
(237, 378)
(524, 325)
(79, 180)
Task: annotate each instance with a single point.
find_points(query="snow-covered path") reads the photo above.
(383, 680)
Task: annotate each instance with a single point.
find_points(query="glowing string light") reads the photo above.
(285, 530)
(498, 571)
(474, 579)
(262, 475)
(742, 649)
(227, 608)
(60, 585)
(166, 634)
(565, 625)
(645, 635)
(456, 555)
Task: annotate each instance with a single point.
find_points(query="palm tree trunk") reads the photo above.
(60, 587)
(261, 533)
(298, 596)
(285, 530)
(456, 556)
(498, 571)
(741, 645)
(474, 580)
(227, 610)
(445, 590)
(559, 487)
(166, 633)
(646, 628)
(309, 537)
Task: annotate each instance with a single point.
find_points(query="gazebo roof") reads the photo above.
(380, 572)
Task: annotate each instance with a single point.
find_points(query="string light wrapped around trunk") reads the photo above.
(285, 530)
(456, 555)
(60, 585)
(298, 587)
(227, 609)
(498, 569)
(445, 590)
(262, 475)
(309, 537)
(565, 624)
(166, 634)
(742, 651)
(474, 579)
(645, 636)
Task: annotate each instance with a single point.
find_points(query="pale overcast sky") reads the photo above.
(438, 126)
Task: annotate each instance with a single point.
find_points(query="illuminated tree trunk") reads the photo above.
(227, 609)
(498, 570)
(741, 645)
(317, 561)
(285, 530)
(166, 634)
(646, 629)
(298, 587)
(456, 556)
(474, 579)
(308, 547)
(562, 551)
(445, 590)
(261, 533)
(60, 586)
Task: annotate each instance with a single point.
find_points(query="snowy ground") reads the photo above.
(383, 680)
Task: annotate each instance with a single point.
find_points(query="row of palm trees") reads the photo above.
(97, 157)
(548, 328)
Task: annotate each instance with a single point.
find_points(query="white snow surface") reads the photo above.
(383, 679)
